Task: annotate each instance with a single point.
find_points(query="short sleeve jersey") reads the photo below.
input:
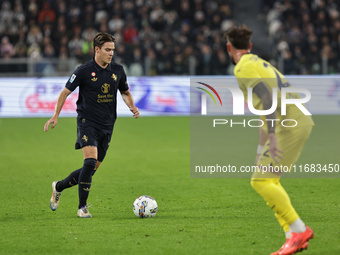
(250, 71)
(97, 101)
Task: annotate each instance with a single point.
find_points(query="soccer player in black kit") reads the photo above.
(98, 81)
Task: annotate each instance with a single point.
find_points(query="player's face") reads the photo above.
(105, 53)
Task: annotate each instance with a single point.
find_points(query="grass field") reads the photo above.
(151, 156)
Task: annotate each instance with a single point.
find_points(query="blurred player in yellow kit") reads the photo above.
(279, 145)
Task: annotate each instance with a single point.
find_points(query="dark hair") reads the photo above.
(239, 36)
(102, 38)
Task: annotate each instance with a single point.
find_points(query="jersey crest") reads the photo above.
(105, 88)
(114, 77)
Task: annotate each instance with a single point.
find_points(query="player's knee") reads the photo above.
(90, 163)
(254, 183)
(259, 183)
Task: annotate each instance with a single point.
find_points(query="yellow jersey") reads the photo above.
(250, 71)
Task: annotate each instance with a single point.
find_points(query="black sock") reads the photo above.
(84, 182)
(69, 181)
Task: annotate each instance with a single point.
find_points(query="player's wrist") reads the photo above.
(259, 148)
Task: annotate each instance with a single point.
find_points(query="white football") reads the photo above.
(145, 207)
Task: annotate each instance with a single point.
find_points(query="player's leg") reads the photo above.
(267, 184)
(103, 146)
(59, 186)
(275, 195)
(88, 142)
(83, 211)
(276, 198)
(72, 179)
(69, 181)
(93, 156)
(85, 179)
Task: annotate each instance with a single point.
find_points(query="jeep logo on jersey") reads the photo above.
(106, 88)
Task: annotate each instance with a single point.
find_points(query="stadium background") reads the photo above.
(167, 37)
(161, 44)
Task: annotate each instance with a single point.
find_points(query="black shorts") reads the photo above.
(91, 136)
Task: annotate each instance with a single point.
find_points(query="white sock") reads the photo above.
(298, 226)
(288, 234)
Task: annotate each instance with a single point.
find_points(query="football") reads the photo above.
(145, 207)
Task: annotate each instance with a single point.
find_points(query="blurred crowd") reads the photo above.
(166, 36)
(305, 34)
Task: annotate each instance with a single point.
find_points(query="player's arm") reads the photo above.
(127, 97)
(59, 105)
(263, 92)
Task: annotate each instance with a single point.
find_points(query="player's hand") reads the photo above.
(53, 121)
(135, 112)
(273, 149)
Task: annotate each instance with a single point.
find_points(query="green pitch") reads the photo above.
(151, 156)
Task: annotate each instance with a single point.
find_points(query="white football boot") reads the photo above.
(54, 201)
(84, 212)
